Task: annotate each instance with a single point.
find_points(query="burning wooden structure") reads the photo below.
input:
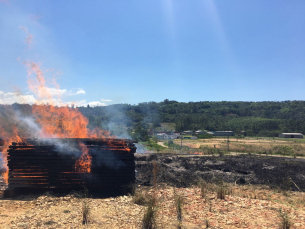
(52, 164)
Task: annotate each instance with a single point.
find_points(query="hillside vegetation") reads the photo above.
(255, 118)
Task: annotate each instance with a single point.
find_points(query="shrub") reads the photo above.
(178, 205)
(207, 223)
(85, 208)
(221, 191)
(285, 220)
(204, 136)
(203, 186)
(139, 198)
(149, 218)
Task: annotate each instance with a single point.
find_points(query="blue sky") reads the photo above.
(108, 52)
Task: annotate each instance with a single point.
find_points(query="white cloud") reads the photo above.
(11, 97)
(84, 103)
(55, 91)
(15, 97)
(96, 103)
(106, 100)
(80, 91)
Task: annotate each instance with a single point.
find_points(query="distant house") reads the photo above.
(188, 132)
(223, 133)
(168, 135)
(200, 132)
(290, 135)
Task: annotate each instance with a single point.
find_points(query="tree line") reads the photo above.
(253, 118)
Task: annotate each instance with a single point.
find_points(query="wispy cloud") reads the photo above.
(14, 97)
(96, 103)
(80, 91)
(84, 103)
(56, 91)
(106, 100)
(29, 37)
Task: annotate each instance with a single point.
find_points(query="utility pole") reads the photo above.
(228, 141)
(181, 135)
(181, 140)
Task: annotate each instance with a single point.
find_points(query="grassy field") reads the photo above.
(255, 145)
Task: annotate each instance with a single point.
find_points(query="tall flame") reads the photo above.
(10, 132)
(54, 121)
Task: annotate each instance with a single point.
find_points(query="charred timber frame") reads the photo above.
(41, 163)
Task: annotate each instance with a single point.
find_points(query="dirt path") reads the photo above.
(162, 144)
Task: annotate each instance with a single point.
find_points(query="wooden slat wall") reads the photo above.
(40, 165)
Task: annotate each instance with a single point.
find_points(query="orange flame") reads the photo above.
(9, 131)
(54, 121)
(83, 164)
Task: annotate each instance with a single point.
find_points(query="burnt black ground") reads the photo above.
(185, 171)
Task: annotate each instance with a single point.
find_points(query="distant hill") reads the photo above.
(256, 118)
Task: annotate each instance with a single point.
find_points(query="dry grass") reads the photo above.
(286, 222)
(178, 204)
(207, 223)
(203, 187)
(221, 192)
(149, 218)
(247, 206)
(139, 198)
(85, 208)
(248, 145)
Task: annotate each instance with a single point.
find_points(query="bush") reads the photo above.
(149, 218)
(283, 150)
(221, 191)
(178, 204)
(285, 220)
(204, 136)
(139, 198)
(203, 187)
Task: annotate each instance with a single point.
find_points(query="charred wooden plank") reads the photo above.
(39, 163)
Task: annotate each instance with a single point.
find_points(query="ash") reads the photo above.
(185, 170)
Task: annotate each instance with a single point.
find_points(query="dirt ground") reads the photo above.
(245, 207)
(162, 144)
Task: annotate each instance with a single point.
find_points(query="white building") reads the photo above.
(290, 135)
(166, 135)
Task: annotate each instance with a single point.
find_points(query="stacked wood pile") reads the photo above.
(50, 163)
